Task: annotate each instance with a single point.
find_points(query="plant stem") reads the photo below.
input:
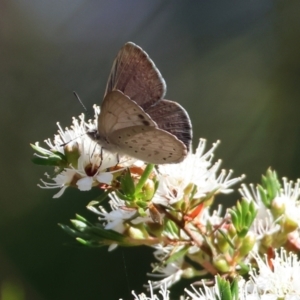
(144, 177)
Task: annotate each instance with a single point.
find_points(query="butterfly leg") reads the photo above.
(101, 156)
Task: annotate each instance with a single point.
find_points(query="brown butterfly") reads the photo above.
(134, 119)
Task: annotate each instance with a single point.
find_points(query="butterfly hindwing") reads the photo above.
(172, 117)
(135, 74)
(149, 144)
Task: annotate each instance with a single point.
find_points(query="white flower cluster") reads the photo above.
(281, 218)
(91, 166)
(85, 164)
(275, 279)
(94, 166)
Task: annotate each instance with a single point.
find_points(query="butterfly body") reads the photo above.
(134, 119)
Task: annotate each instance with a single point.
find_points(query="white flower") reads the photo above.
(211, 218)
(170, 274)
(119, 214)
(162, 252)
(196, 169)
(289, 198)
(62, 181)
(286, 204)
(280, 278)
(204, 293)
(165, 294)
(88, 162)
(114, 219)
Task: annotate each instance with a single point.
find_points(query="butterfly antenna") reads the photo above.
(66, 143)
(81, 103)
(101, 155)
(95, 145)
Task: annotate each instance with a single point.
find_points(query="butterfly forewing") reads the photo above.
(136, 75)
(149, 144)
(118, 112)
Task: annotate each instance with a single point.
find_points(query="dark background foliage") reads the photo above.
(234, 65)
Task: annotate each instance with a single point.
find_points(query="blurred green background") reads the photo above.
(234, 65)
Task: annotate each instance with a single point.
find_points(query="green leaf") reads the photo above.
(141, 204)
(235, 289)
(234, 217)
(54, 161)
(72, 232)
(273, 185)
(92, 235)
(177, 255)
(127, 185)
(228, 240)
(269, 188)
(224, 289)
(242, 216)
(90, 243)
(80, 218)
(48, 158)
(244, 268)
(171, 227)
(99, 199)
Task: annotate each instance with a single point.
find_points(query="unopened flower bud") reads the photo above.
(231, 230)
(278, 206)
(189, 188)
(289, 225)
(148, 189)
(247, 244)
(189, 273)
(72, 154)
(267, 241)
(221, 264)
(222, 242)
(137, 232)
